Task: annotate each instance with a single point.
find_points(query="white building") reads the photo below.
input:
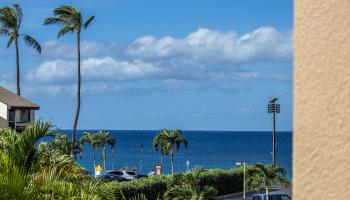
(15, 111)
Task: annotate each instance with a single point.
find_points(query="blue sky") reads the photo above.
(193, 65)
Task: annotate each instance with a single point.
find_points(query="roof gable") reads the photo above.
(12, 100)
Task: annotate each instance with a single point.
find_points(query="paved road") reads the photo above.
(239, 196)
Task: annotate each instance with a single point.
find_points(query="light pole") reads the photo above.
(273, 108)
(141, 163)
(244, 175)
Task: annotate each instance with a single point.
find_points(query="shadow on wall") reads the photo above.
(3, 122)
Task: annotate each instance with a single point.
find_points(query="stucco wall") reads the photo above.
(3, 116)
(321, 155)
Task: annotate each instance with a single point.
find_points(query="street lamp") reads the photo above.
(244, 175)
(141, 162)
(187, 165)
(273, 108)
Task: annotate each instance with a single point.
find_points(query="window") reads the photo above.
(11, 115)
(131, 173)
(22, 116)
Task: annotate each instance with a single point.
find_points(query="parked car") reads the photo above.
(110, 177)
(122, 174)
(272, 196)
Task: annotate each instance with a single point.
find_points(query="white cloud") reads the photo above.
(204, 55)
(206, 46)
(93, 69)
(57, 49)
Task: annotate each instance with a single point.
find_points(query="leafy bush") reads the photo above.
(151, 187)
(224, 181)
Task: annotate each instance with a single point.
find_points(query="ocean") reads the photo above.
(208, 149)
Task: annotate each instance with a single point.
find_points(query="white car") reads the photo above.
(127, 175)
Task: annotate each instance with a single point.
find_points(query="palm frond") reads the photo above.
(55, 20)
(65, 10)
(65, 30)
(9, 42)
(8, 18)
(31, 42)
(88, 22)
(4, 31)
(19, 14)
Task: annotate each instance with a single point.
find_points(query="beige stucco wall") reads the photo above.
(3, 116)
(321, 155)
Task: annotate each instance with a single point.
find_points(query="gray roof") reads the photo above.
(12, 100)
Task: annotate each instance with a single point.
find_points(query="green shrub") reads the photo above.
(224, 181)
(151, 187)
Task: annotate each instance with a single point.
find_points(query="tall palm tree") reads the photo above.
(103, 139)
(10, 24)
(71, 21)
(112, 143)
(190, 188)
(168, 142)
(266, 176)
(89, 138)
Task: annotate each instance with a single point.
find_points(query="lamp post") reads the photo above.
(244, 175)
(141, 162)
(273, 108)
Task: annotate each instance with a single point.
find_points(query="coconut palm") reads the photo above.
(168, 142)
(10, 24)
(89, 138)
(71, 21)
(266, 176)
(190, 188)
(112, 143)
(103, 139)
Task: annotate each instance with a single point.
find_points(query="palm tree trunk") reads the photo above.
(93, 157)
(172, 163)
(17, 68)
(78, 97)
(113, 158)
(104, 158)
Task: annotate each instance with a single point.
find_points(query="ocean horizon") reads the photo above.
(207, 149)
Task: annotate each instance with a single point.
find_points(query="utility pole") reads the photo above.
(273, 108)
(141, 163)
(244, 175)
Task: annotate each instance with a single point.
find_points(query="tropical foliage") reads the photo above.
(62, 144)
(104, 139)
(31, 172)
(189, 188)
(97, 140)
(90, 139)
(71, 21)
(168, 142)
(10, 24)
(266, 176)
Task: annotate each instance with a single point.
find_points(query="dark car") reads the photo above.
(272, 196)
(110, 177)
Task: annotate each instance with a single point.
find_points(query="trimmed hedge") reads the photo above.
(151, 187)
(224, 181)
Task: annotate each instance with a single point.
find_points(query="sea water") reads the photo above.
(207, 149)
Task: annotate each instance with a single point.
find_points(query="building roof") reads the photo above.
(13, 100)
